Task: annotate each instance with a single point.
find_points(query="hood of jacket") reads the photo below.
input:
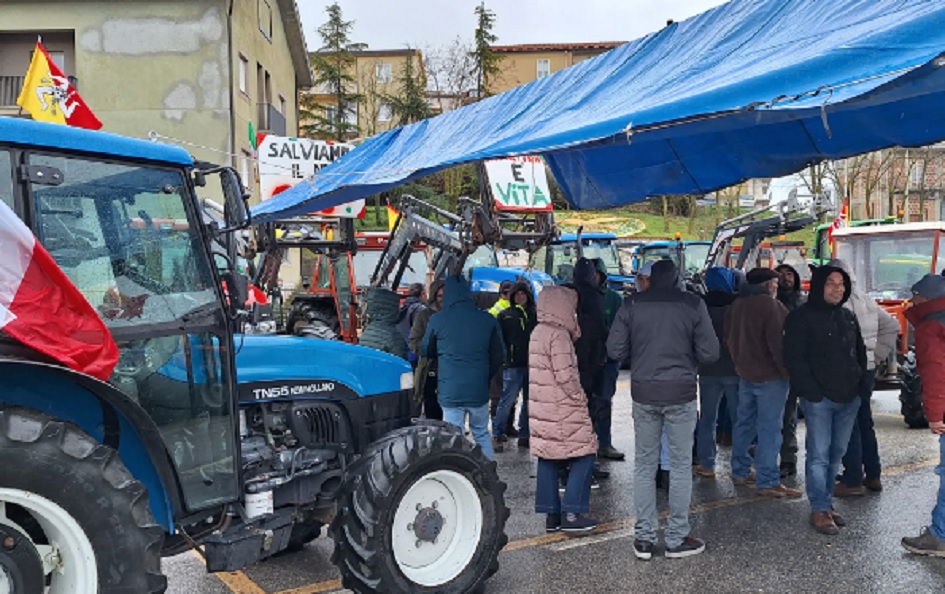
(585, 273)
(523, 287)
(664, 277)
(456, 292)
(558, 306)
(720, 279)
(818, 281)
(793, 272)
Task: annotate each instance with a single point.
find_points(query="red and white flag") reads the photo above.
(41, 308)
(838, 223)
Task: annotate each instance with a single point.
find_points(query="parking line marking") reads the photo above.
(606, 531)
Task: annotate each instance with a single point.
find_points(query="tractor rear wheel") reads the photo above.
(72, 518)
(910, 394)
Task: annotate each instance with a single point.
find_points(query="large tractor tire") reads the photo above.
(67, 498)
(313, 319)
(910, 394)
(422, 511)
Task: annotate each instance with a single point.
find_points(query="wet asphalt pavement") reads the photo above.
(753, 544)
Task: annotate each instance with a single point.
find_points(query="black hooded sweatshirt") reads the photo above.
(517, 323)
(591, 348)
(823, 347)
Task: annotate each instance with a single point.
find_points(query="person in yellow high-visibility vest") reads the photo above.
(502, 304)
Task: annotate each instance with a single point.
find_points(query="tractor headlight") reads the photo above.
(406, 381)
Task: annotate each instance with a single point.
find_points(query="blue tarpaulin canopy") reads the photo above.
(752, 88)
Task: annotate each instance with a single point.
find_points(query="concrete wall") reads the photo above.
(166, 66)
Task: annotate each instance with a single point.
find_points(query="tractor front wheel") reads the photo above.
(422, 511)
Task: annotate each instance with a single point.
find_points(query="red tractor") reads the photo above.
(887, 261)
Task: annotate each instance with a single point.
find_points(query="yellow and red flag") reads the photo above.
(392, 214)
(49, 96)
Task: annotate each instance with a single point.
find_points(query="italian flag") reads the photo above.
(49, 96)
(41, 308)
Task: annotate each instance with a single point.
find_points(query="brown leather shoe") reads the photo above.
(704, 472)
(873, 484)
(841, 490)
(838, 519)
(823, 523)
(744, 480)
(780, 492)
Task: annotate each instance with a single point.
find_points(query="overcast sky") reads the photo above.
(426, 24)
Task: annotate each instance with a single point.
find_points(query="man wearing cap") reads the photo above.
(927, 315)
(505, 291)
(826, 357)
(753, 333)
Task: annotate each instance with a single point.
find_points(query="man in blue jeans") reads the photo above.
(754, 327)
(718, 379)
(516, 322)
(467, 344)
(826, 357)
(666, 333)
(927, 315)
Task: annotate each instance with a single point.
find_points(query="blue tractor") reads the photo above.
(690, 256)
(244, 445)
(558, 258)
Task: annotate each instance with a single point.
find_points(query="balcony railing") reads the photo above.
(270, 119)
(10, 87)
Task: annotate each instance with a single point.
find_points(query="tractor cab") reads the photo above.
(889, 259)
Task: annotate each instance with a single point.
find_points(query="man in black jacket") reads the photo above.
(789, 294)
(517, 322)
(826, 358)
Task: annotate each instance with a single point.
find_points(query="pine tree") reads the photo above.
(409, 105)
(332, 65)
(485, 62)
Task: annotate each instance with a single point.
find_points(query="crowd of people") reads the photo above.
(751, 346)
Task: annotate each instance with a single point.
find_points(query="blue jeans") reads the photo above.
(577, 493)
(829, 425)
(711, 392)
(514, 380)
(938, 514)
(863, 450)
(649, 421)
(760, 413)
(602, 406)
(478, 424)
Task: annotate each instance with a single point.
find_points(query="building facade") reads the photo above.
(376, 74)
(200, 73)
(523, 64)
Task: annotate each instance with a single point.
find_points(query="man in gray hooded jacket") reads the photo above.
(666, 333)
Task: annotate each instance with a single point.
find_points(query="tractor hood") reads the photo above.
(272, 367)
(487, 280)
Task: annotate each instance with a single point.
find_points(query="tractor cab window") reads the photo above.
(124, 235)
(696, 255)
(606, 251)
(483, 257)
(888, 264)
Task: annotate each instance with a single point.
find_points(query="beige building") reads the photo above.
(202, 72)
(376, 74)
(525, 63)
